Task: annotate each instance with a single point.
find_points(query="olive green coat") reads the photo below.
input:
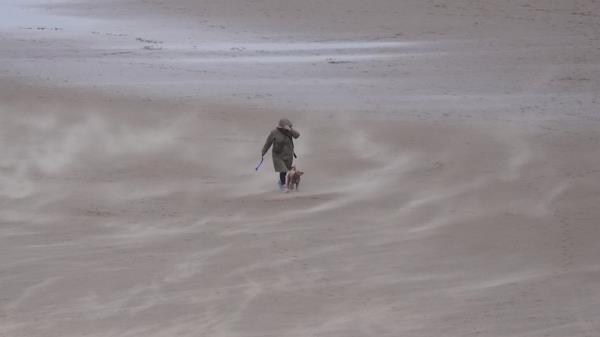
(283, 148)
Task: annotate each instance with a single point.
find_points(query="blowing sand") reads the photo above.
(451, 151)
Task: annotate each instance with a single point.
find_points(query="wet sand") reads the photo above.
(451, 152)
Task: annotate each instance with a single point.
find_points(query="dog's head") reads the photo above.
(299, 173)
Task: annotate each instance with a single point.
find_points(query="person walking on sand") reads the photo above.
(281, 138)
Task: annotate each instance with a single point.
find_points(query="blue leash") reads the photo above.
(259, 164)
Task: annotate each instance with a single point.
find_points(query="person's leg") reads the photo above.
(282, 178)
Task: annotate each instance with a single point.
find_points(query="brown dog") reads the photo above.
(293, 179)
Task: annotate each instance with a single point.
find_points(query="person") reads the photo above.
(281, 138)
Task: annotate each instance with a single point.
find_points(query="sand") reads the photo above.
(451, 151)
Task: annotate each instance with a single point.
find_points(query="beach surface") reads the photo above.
(451, 152)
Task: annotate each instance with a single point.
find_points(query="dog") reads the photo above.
(293, 179)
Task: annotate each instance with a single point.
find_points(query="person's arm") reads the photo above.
(294, 133)
(267, 145)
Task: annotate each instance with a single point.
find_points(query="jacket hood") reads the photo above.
(284, 122)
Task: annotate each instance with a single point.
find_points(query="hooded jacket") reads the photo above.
(283, 148)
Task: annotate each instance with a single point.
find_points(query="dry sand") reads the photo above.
(451, 150)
